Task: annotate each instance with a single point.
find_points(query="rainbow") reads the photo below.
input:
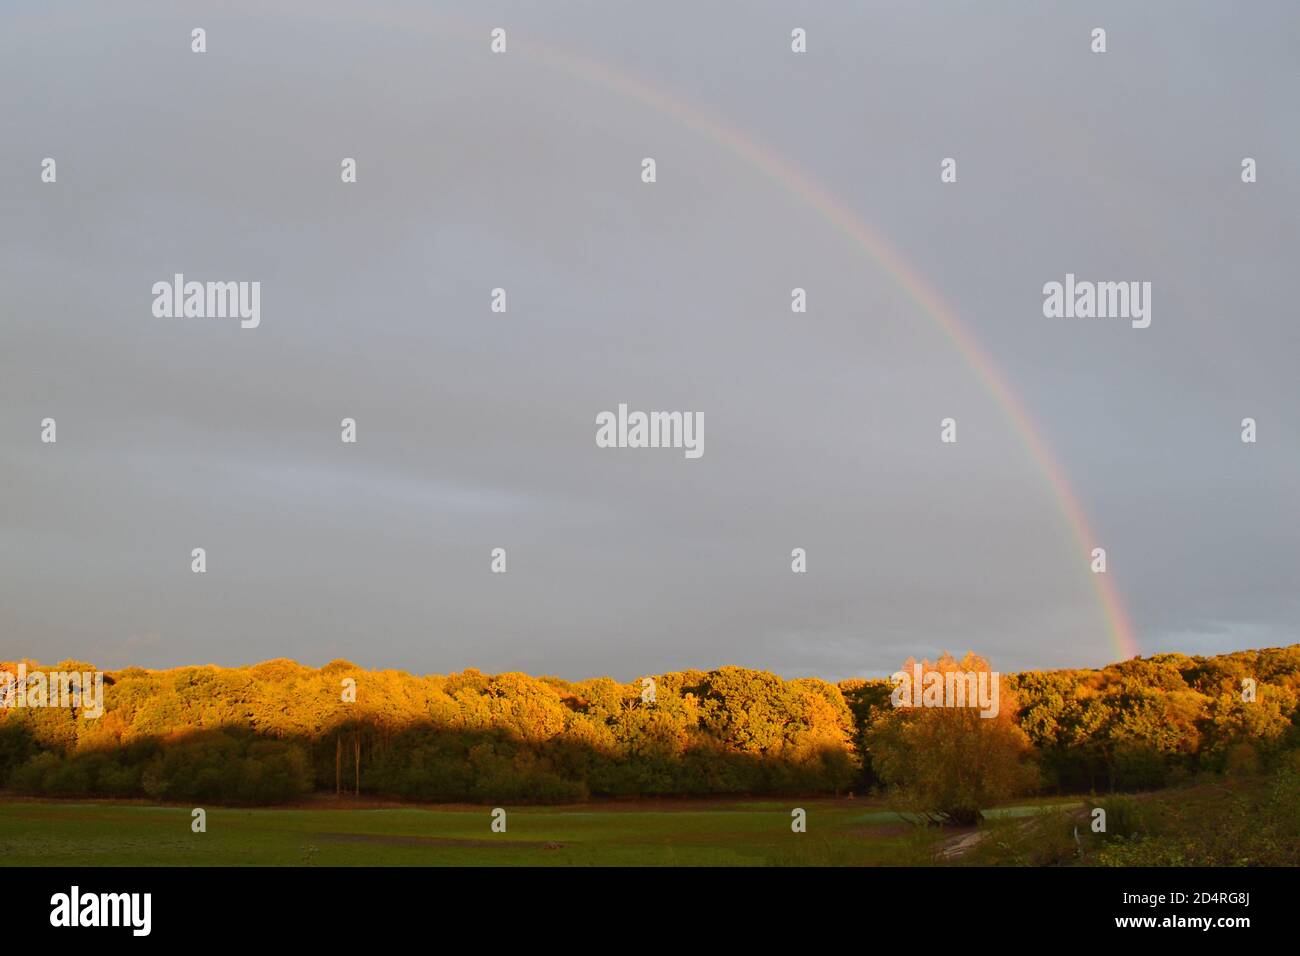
(798, 183)
(801, 185)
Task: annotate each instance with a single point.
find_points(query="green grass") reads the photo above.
(1217, 822)
(840, 832)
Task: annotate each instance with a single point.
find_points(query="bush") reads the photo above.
(223, 768)
(949, 763)
(31, 776)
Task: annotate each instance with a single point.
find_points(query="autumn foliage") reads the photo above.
(276, 731)
(947, 763)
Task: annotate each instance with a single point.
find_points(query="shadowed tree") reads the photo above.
(949, 763)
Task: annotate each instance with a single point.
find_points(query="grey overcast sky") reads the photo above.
(477, 430)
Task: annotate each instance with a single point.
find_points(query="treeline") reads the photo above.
(1141, 724)
(277, 731)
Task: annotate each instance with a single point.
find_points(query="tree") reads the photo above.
(949, 763)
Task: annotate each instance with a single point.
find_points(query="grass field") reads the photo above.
(840, 832)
